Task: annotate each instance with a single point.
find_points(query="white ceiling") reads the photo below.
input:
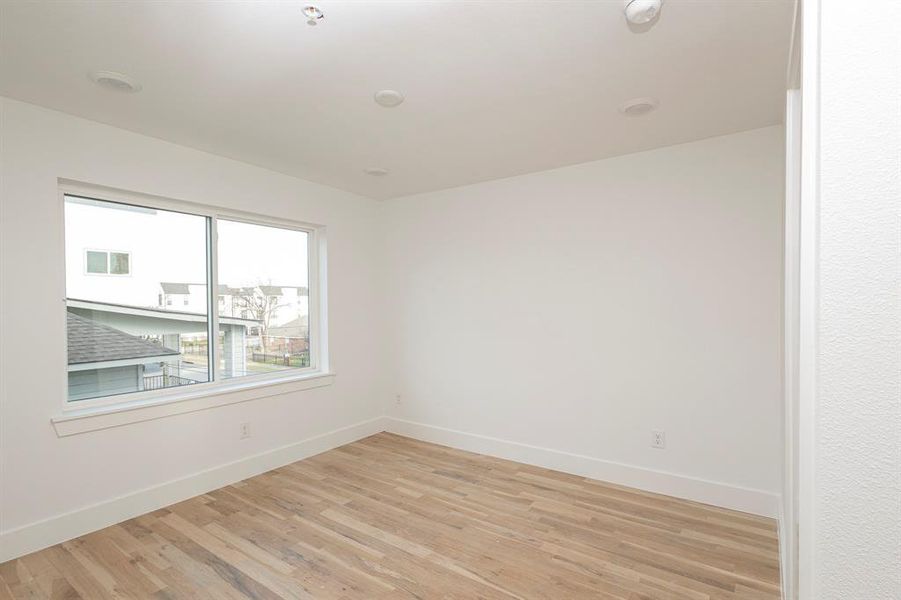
(492, 88)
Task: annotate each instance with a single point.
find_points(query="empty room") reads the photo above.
(450, 299)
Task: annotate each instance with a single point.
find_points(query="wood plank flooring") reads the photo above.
(390, 517)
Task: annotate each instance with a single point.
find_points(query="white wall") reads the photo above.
(44, 476)
(851, 475)
(576, 310)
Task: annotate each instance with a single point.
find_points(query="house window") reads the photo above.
(118, 263)
(102, 262)
(122, 340)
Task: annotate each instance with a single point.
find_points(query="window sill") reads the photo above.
(83, 420)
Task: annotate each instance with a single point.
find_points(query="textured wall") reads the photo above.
(858, 409)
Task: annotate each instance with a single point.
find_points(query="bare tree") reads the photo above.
(260, 305)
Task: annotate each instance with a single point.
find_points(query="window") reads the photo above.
(96, 262)
(101, 262)
(122, 339)
(263, 264)
(118, 263)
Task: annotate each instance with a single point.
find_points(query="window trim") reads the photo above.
(94, 418)
(204, 393)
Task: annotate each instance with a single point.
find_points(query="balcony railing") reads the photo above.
(156, 382)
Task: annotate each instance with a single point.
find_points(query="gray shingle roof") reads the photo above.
(90, 342)
(271, 290)
(175, 288)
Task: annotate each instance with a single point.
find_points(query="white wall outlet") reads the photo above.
(658, 439)
(245, 431)
(397, 399)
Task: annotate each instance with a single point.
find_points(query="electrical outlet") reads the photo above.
(245, 431)
(658, 439)
(397, 399)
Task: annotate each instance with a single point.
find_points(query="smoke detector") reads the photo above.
(639, 12)
(376, 171)
(115, 81)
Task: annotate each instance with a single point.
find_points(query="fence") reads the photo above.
(288, 360)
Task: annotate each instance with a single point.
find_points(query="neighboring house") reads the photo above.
(104, 360)
(295, 334)
(115, 334)
(175, 294)
(227, 297)
(281, 308)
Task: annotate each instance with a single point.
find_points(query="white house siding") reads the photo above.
(105, 382)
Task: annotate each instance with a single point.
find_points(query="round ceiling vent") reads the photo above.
(115, 81)
(388, 98)
(376, 171)
(637, 107)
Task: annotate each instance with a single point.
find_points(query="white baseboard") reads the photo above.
(35, 536)
(748, 500)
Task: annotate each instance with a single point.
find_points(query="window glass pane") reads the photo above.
(263, 307)
(118, 263)
(123, 335)
(96, 261)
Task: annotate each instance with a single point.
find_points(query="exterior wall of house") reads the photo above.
(114, 380)
(137, 231)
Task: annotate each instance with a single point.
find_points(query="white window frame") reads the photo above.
(84, 255)
(98, 413)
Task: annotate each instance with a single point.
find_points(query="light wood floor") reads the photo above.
(390, 517)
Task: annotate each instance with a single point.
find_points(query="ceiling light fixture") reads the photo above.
(375, 171)
(115, 81)
(313, 15)
(389, 98)
(640, 12)
(637, 107)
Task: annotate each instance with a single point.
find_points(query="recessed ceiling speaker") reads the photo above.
(640, 12)
(115, 81)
